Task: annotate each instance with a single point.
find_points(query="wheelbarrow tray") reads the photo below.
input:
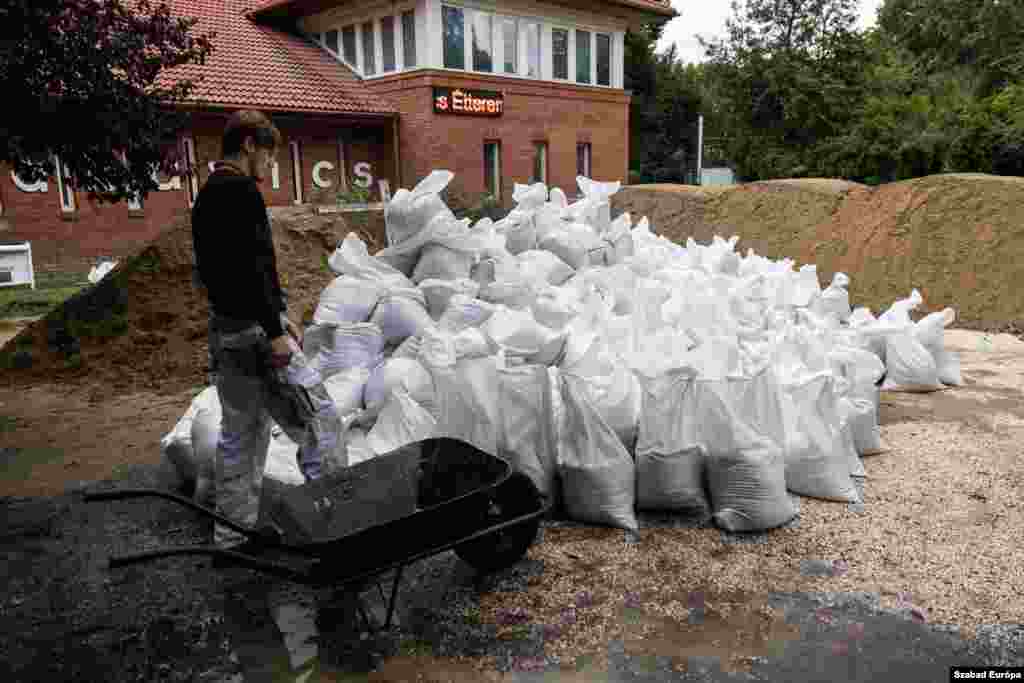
(376, 516)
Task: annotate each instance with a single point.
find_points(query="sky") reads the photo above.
(707, 17)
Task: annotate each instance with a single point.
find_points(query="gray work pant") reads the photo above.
(252, 393)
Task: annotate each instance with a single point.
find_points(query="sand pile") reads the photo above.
(956, 237)
(144, 326)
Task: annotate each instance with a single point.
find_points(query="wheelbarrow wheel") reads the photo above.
(517, 496)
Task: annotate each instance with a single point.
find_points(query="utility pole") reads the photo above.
(700, 146)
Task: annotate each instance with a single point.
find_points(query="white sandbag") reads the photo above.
(471, 343)
(357, 447)
(523, 406)
(520, 335)
(555, 307)
(806, 287)
(863, 421)
(492, 243)
(204, 436)
(464, 312)
(402, 313)
(816, 458)
(353, 259)
(910, 366)
(353, 345)
(468, 402)
(406, 374)
(402, 421)
(347, 300)
(177, 448)
(598, 474)
(930, 329)
(520, 231)
(346, 389)
(835, 300)
(674, 481)
(97, 273)
(440, 262)
(569, 250)
(282, 459)
(529, 197)
(516, 292)
(439, 292)
(947, 364)
(408, 212)
(410, 348)
(613, 390)
(543, 266)
(484, 271)
(849, 452)
(746, 470)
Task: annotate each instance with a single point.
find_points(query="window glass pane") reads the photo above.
(454, 38)
(492, 168)
(540, 159)
(348, 44)
(331, 40)
(604, 59)
(559, 53)
(369, 51)
(409, 38)
(583, 56)
(532, 40)
(387, 42)
(510, 36)
(482, 42)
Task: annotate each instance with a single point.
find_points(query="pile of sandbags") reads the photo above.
(617, 369)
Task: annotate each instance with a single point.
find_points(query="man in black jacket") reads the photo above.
(259, 369)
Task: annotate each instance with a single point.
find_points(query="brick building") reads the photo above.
(375, 95)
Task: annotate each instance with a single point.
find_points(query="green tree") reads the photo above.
(81, 79)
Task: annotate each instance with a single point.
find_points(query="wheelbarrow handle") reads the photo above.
(239, 559)
(125, 494)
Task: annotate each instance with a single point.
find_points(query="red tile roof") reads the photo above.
(253, 65)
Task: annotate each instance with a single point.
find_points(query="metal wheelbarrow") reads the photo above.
(351, 526)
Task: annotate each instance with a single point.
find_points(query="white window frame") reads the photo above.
(293, 148)
(524, 47)
(468, 37)
(499, 39)
(341, 46)
(415, 37)
(362, 55)
(575, 70)
(67, 204)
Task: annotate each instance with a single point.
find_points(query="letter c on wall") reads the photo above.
(319, 167)
(40, 186)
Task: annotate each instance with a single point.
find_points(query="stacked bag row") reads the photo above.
(616, 368)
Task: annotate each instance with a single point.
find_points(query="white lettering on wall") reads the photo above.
(39, 186)
(363, 171)
(318, 167)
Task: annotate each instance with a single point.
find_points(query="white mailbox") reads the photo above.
(16, 265)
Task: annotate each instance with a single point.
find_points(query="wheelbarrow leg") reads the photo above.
(394, 593)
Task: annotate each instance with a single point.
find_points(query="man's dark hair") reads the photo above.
(253, 124)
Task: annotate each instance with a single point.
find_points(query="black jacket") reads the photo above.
(234, 251)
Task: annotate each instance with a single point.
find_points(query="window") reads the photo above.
(510, 41)
(296, 172)
(492, 168)
(482, 42)
(67, 194)
(369, 52)
(604, 59)
(540, 163)
(331, 41)
(409, 38)
(348, 44)
(454, 38)
(559, 53)
(531, 38)
(387, 43)
(583, 159)
(583, 56)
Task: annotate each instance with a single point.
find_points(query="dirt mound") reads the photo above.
(958, 238)
(143, 327)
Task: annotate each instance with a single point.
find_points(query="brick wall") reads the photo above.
(74, 243)
(561, 115)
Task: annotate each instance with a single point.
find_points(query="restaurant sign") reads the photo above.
(468, 102)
